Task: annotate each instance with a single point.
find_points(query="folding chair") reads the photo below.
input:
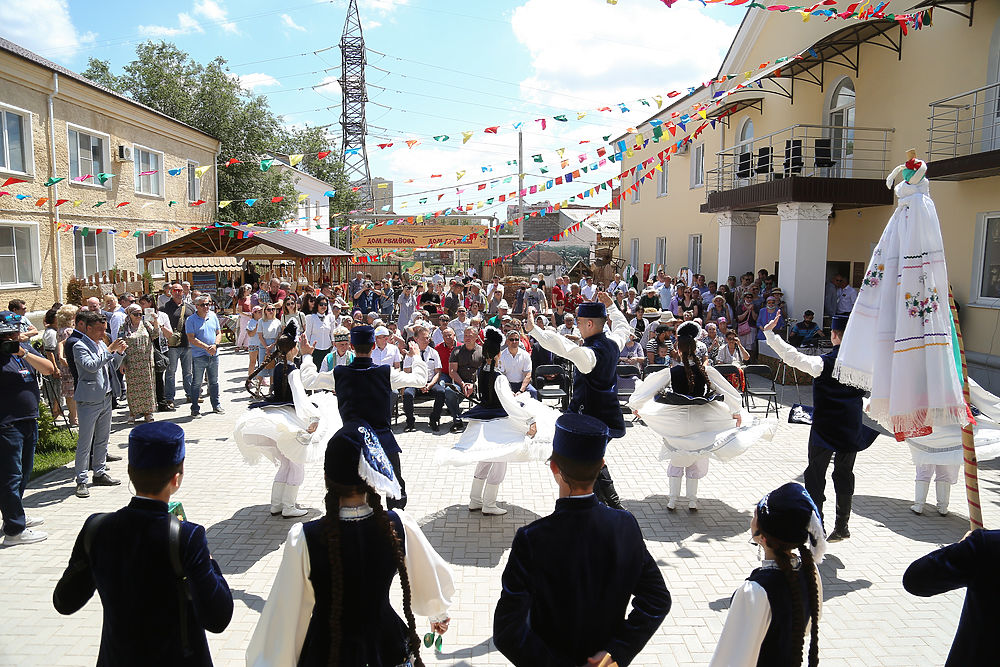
(551, 388)
(652, 368)
(760, 384)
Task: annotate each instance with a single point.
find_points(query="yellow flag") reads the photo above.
(479, 204)
(659, 167)
(580, 115)
(77, 202)
(629, 153)
(301, 197)
(560, 151)
(638, 139)
(295, 159)
(659, 101)
(466, 136)
(420, 218)
(403, 205)
(225, 203)
(541, 188)
(383, 186)
(200, 171)
(703, 114)
(459, 175)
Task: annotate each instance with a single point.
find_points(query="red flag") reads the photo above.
(12, 181)
(198, 203)
(322, 154)
(493, 130)
(120, 204)
(384, 146)
(232, 161)
(60, 202)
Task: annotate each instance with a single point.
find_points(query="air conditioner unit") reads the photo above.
(124, 154)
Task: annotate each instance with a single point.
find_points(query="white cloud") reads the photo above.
(20, 22)
(328, 86)
(215, 12)
(185, 25)
(383, 6)
(370, 25)
(257, 80)
(290, 23)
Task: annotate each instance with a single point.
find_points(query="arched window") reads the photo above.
(840, 117)
(746, 131)
(744, 154)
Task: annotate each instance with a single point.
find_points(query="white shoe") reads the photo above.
(26, 536)
(289, 510)
(943, 490)
(675, 490)
(490, 507)
(277, 490)
(919, 496)
(31, 521)
(692, 494)
(476, 495)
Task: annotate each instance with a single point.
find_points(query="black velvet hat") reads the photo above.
(592, 309)
(580, 437)
(354, 457)
(789, 514)
(362, 335)
(155, 445)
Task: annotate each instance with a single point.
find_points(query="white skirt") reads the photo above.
(267, 431)
(944, 445)
(503, 440)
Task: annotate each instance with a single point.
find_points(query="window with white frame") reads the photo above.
(986, 281)
(635, 182)
(93, 253)
(661, 180)
(148, 171)
(15, 140)
(694, 253)
(19, 261)
(698, 166)
(194, 183)
(633, 255)
(87, 154)
(660, 258)
(147, 241)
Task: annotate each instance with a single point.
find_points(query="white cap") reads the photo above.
(503, 304)
(381, 331)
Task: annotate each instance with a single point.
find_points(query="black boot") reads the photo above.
(604, 488)
(840, 530)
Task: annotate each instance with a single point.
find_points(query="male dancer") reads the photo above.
(364, 391)
(595, 386)
(837, 428)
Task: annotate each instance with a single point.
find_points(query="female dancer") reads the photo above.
(501, 428)
(697, 413)
(288, 428)
(329, 604)
(781, 600)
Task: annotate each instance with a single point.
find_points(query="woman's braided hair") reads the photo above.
(688, 347)
(782, 556)
(332, 529)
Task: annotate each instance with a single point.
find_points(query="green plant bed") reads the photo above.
(56, 446)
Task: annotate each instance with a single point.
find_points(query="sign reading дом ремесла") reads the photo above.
(420, 236)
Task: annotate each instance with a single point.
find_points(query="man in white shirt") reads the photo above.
(844, 296)
(587, 289)
(384, 354)
(569, 330)
(435, 383)
(666, 292)
(438, 277)
(492, 287)
(460, 323)
(617, 284)
(515, 362)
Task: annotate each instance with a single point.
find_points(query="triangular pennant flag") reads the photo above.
(12, 181)
(492, 130)
(175, 172)
(295, 159)
(459, 175)
(194, 203)
(322, 154)
(120, 204)
(232, 161)
(225, 203)
(249, 202)
(301, 197)
(52, 181)
(441, 137)
(200, 171)
(265, 164)
(60, 202)
(41, 200)
(104, 177)
(466, 136)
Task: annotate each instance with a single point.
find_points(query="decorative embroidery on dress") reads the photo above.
(921, 308)
(874, 276)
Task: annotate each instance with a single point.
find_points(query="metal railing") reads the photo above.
(965, 124)
(829, 151)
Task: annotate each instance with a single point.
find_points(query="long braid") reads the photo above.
(332, 529)
(783, 559)
(404, 578)
(810, 566)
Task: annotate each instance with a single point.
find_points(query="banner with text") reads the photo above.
(420, 236)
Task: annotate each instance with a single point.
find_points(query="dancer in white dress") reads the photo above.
(938, 456)
(697, 413)
(502, 429)
(289, 429)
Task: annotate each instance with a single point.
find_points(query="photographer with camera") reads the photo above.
(19, 363)
(367, 298)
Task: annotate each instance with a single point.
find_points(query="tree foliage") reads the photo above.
(209, 98)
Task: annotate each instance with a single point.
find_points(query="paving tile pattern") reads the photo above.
(868, 619)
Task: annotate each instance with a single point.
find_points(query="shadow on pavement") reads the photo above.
(833, 586)
(895, 514)
(237, 543)
(714, 520)
(469, 538)
(482, 648)
(55, 488)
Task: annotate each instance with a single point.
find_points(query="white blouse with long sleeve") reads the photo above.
(319, 329)
(314, 380)
(583, 357)
(812, 365)
(281, 631)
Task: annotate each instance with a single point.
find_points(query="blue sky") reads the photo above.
(448, 67)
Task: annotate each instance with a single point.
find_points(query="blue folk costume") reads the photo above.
(595, 383)
(365, 394)
(149, 619)
(780, 600)
(969, 564)
(570, 576)
(497, 431)
(838, 430)
(351, 583)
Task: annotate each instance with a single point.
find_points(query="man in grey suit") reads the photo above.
(96, 364)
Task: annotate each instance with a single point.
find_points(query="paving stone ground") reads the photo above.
(868, 619)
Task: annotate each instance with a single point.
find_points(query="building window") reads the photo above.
(15, 140)
(146, 242)
(635, 182)
(19, 261)
(841, 120)
(633, 254)
(694, 253)
(698, 166)
(194, 183)
(87, 156)
(661, 180)
(93, 253)
(148, 171)
(661, 252)
(986, 279)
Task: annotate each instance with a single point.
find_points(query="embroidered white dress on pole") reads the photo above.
(898, 342)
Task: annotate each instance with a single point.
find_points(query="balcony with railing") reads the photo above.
(843, 166)
(964, 137)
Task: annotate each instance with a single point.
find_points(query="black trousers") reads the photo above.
(391, 503)
(843, 478)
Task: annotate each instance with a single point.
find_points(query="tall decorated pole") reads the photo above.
(970, 464)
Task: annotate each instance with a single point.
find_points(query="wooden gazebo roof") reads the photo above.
(252, 243)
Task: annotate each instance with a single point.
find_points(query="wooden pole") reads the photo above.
(971, 466)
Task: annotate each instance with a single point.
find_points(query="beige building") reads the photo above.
(791, 178)
(57, 124)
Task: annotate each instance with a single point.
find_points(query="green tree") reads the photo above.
(210, 99)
